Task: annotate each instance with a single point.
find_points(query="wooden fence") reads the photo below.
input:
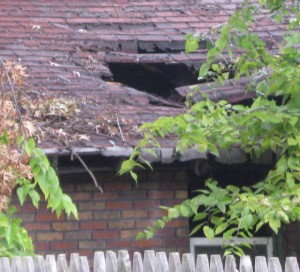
(151, 262)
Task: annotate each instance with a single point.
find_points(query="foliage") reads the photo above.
(22, 166)
(271, 122)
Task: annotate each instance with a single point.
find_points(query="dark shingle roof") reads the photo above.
(66, 45)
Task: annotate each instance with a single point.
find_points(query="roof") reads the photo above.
(70, 47)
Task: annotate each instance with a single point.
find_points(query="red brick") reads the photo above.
(166, 232)
(148, 243)
(117, 186)
(177, 242)
(106, 235)
(157, 213)
(41, 246)
(115, 205)
(78, 235)
(62, 226)
(128, 234)
(93, 225)
(139, 204)
(119, 244)
(134, 214)
(107, 215)
(160, 194)
(144, 223)
(91, 206)
(178, 223)
(85, 215)
(49, 217)
(49, 236)
(96, 245)
(82, 196)
(62, 245)
(37, 226)
(121, 224)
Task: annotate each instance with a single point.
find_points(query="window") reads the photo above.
(262, 246)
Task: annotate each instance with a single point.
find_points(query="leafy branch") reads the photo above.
(271, 122)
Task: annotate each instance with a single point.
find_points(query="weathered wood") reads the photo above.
(188, 263)
(28, 264)
(124, 264)
(260, 264)
(174, 262)
(99, 262)
(50, 264)
(74, 262)
(16, 264)
(62, 265)
(246, 264)
(161, 262)
(202, 263)
(149, 261)
(216, 263)
(111, 261)
(230, 264)
(39, 263)
(291, 264)
(4, 264)
(274, 265)
(84, 264)
(137, 263)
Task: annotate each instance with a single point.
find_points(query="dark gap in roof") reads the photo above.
(155, 78)
(160, 47)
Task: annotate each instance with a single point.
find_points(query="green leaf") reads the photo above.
(22, 193)
(199, 216)
(35, 197)
(203, 70)
(134, 176)
(191, 43)
(209, 232)
(246, 221)
(274, 224)
(220, 228)
(140, 236)
(29, 146)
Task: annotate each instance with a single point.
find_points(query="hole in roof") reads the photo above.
(159, 79)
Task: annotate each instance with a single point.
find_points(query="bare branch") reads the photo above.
(13, 94)
(74, 153)
(122, 136)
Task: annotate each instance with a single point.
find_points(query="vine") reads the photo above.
(23, 166)
(271, 122)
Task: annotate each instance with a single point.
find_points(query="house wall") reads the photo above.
(111, 220)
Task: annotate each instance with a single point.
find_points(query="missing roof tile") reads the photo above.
(159, 79)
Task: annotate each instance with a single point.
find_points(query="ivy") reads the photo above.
(270, 123)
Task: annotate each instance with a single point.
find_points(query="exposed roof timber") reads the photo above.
(232, 90)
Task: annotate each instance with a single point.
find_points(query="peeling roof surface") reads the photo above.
(66, 46)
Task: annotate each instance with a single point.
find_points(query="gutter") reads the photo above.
(163, 155)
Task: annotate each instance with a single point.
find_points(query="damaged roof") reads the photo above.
(96, 70)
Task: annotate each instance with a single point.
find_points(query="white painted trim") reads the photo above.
(268, 241)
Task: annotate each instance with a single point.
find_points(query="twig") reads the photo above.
(74, 153)
(120, 130)
(13, 94)
(87, 169)
(115, 8)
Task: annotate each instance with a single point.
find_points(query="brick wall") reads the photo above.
(111, 220)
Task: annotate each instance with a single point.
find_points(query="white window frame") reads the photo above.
(268, 241)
